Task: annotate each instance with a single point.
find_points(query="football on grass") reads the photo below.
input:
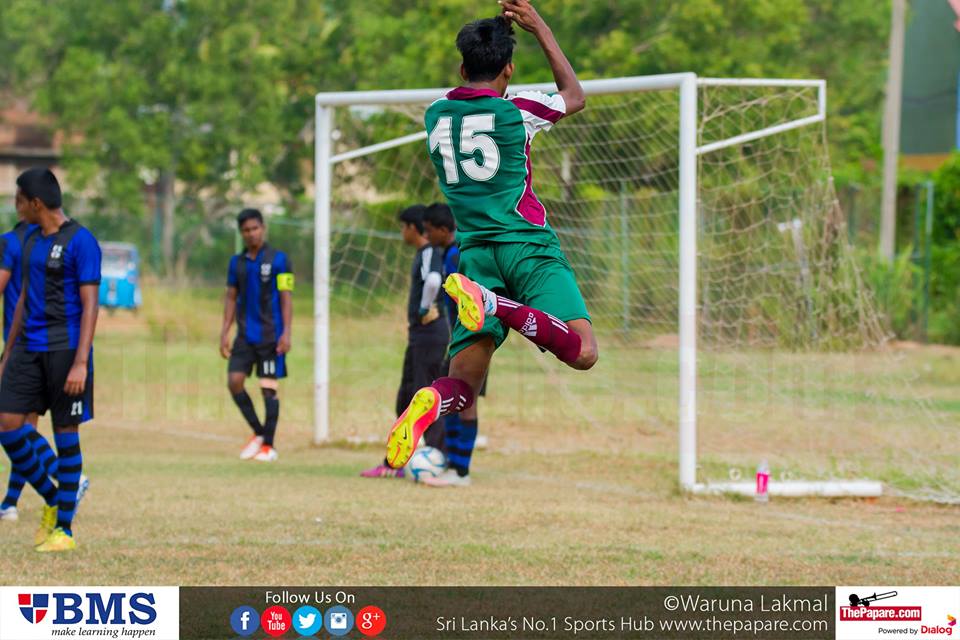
(427, 462)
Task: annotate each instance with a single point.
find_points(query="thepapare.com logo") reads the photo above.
(105, 608)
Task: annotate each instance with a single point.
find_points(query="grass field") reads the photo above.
(577, 487)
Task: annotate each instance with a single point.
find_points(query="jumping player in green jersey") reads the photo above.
(513, 274)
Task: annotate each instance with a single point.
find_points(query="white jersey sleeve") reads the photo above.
(540, 110)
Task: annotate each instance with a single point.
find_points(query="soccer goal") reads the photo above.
(700, 217)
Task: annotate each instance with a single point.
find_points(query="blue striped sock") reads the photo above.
(68, 477)
(44, 452)
(25, 462)
(451, 432)
(14, 489)
(47, 458)
(460, 454)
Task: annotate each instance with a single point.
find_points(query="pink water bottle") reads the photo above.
(763, 483)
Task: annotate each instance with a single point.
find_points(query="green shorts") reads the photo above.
(532, 274)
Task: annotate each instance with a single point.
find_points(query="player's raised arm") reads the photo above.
(527, 18)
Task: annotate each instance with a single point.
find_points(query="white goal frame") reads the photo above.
(687, 85)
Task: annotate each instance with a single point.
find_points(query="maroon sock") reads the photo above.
(542, 329)
(455, 395)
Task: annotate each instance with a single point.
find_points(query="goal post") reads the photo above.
(324, 161)
(717, 179)
(686, 83)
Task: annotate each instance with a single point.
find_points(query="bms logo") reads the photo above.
(33, 606)
(90, 608)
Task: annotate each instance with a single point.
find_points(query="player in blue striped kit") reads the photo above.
(260, 298)
(48, 360)
(11, 279)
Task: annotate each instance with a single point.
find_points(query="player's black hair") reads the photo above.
(487, 47)
(413, 215)
(39, 182)
(440, 216)
(249, 214)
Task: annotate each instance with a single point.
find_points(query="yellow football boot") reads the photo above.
(469, 298)
(58, 540)
(48, 520)
(422, 412)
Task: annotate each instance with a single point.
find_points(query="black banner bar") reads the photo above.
(503, 613)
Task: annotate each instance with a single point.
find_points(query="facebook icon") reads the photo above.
(245, 621)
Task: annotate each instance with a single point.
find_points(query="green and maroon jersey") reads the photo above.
(480, 146)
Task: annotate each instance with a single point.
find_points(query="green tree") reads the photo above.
(401, 44)
(200, 100)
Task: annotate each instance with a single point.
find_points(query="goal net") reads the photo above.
(665, 189)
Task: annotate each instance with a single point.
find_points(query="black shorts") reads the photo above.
(245, 355)
(33, 383)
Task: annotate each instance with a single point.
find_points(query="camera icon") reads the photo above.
(338, 621)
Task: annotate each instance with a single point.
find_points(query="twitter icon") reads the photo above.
(307, 621)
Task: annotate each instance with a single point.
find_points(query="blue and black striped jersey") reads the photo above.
(259, 317)
(55, 267)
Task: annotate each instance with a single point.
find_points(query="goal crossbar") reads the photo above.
(591, 87)
(425, 96)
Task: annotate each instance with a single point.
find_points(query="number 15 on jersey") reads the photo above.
(473, 138)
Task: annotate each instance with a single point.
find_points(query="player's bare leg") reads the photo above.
(471, 366)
